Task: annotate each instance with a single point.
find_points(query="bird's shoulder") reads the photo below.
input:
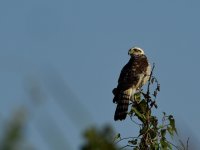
(134, 67)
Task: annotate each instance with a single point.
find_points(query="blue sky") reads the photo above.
(81, 46)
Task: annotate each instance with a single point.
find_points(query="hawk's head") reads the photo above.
(135, 51)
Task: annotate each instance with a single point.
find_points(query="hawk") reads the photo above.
(132, 77)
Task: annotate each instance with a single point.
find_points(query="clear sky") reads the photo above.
(81, 46)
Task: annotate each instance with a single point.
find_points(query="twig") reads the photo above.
(188, 143)
(149, 81)
(135, 121)
(127, 139)
(173, 145)
(127, 146)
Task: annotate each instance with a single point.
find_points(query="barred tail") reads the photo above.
(122, 99)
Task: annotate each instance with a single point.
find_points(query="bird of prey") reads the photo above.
(133, 76)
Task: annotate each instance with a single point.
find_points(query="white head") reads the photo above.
(135, 51)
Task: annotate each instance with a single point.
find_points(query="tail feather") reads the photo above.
(122, 99)
(121, 112)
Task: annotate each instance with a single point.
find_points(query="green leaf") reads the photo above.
(154, 146)
(143, 130)
(138, 114)
(153, 103)
(136, 148)
(164, 144)
(133, 142)
(164, 113)
(118, 136)
(171, 132)
(153, 134)
(172, 123)
(163, 133)
(154, 121)
(142, 106)
(169, 146)
(155, 93)
(160, 126)
(137, 97)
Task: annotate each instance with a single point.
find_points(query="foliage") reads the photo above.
(13, 132)
(99, 139)
(152, 135)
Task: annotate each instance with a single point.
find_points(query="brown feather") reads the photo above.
(129, 77)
